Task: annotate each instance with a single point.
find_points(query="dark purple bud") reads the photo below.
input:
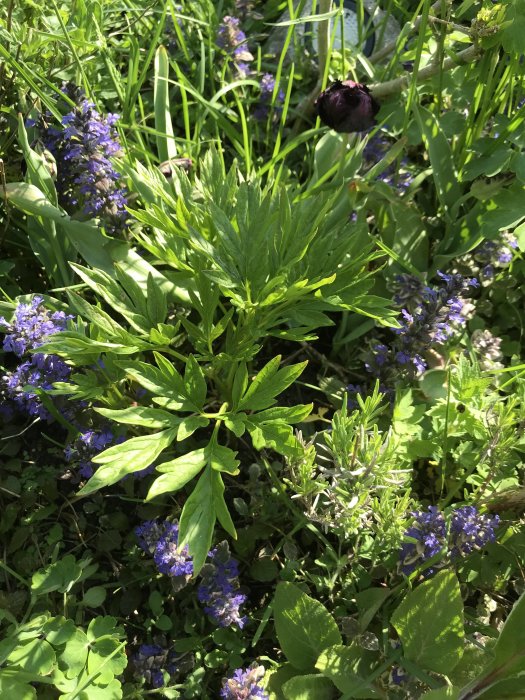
(347, 107)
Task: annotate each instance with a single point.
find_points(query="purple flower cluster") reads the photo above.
(88, 444)
(86, 180)
(429, 534)
(262, 110)
(31, 325)
(495, 254)
(243, 685)
(433, 319)
(152, 662)
(160, 538)
(233, 41)
(469, 531)
(219, 588)
(376, 148)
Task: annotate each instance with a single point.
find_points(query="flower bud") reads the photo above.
(347, 107)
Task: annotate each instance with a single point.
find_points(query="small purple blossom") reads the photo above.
(376, 148)
(30, 326)
(233, 41)
(434, 315)
(495, 254)
(428, 534)
(152, 662)
(469, 530)
(243, 685)
(160, 538)
(88, 444)
(219, 590)
(262, 109)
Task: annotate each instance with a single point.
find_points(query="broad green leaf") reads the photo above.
(223, 514)
(303, 625)
(166, 148)
(73, 658)
(176, 473)
(269, 383)
(59, 576)
(129, 457)
(448, 693)
(240, 384)
(440, 153)
(508, 689)
(197, 520)
(11, 687)
(309, 687)
(221, 458)
(94, 596)
(189, 425)
(141, 415)
(429, 622)
(509, 650)
(277, 435)
(195, 383)
(348, 667)
(35, 656)
(58, 630)
(106, 659)
(275, 678)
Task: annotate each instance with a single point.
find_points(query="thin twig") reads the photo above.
(390, 87)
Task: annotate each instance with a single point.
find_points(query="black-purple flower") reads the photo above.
(347, 107)
(244, 685)
(219, 590)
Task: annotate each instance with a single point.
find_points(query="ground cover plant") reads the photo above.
(262, 396)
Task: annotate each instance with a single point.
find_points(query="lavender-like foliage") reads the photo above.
(152, 661)
(470, 530)
(160, 539)
(88, 444)
(243, 685)
(262, 109)
(219, 590)
(429, 533)
(32, 323)
(86, 182)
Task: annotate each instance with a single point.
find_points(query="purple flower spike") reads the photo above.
(160, 538)
(219, 588)
(243, 685)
